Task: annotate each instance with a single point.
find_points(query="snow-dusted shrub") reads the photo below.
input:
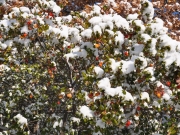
(88, 73)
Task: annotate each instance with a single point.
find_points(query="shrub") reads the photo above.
(91, 72)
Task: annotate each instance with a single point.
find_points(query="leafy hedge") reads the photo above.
(87, 73)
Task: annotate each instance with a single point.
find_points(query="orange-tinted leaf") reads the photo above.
(97, 45)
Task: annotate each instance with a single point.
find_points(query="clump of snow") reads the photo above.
(86, 33)
(165, 40)
(114, 65)
(107, 18)
(4, 68)
(56, 9)
(100, 123)
(144, 62)
(67, 18)
(74, 119)
(139, 24)
(95, 20)
(99, 71)
(159, 84)
(132, 16)
(96, 9)
(145, 96)
(97, 29)
(145, 37)
(24, 9)
(86, 112)
(148, 10)
(157, 27)
(137, 49)
(119, 39)
(21, 120)
(112, 3)
(3, 2)
(166, 96)
(151, 71)
(104, 83)
(76, 52)
(3, 46)
(127, 66)
(98, 133)
(24, 29)
(110, 32)
(58, 124)
(120, 22)
(153, 46)
(156, 104)
(120, 92)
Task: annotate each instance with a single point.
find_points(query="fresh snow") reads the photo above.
(21, 120)
(99, 71)
(86, 112)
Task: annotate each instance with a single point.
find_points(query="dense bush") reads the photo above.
(91, 72)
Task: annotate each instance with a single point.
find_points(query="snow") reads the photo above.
(24, 9)
(100, 123)
(178, 125)
(99, 71)
(3, 2)
(56, 9)
(97, 9)
(110, 32)
(55, 124)
(67, 18)
(112, 3)
(3, 46)
(95, 20)
(110, 25)
(64, 31)
(4, 67)
(156, 134)
(120, 92)
(148, 11)
(132, 16)
(139, 23)
(86, 33)
(102, 25)
(86, 112)
(21, 120)
(165, 40)
(166, 96)
(159, 84)
(76, 52)
(153, 46)
(137, 49)
(145, 37)
(120, 22)
(107, 18)
(145, 96)
(97, 29)
(113, 91)
(114, 65)
(151, 71)
(76, 42)
(156, 104)
(127, 66)
(58, 124)
(104, 83)
(144, 62)
(119, 39)
(157, 27)
(24, 29)
(74, 119)
(97, 133)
